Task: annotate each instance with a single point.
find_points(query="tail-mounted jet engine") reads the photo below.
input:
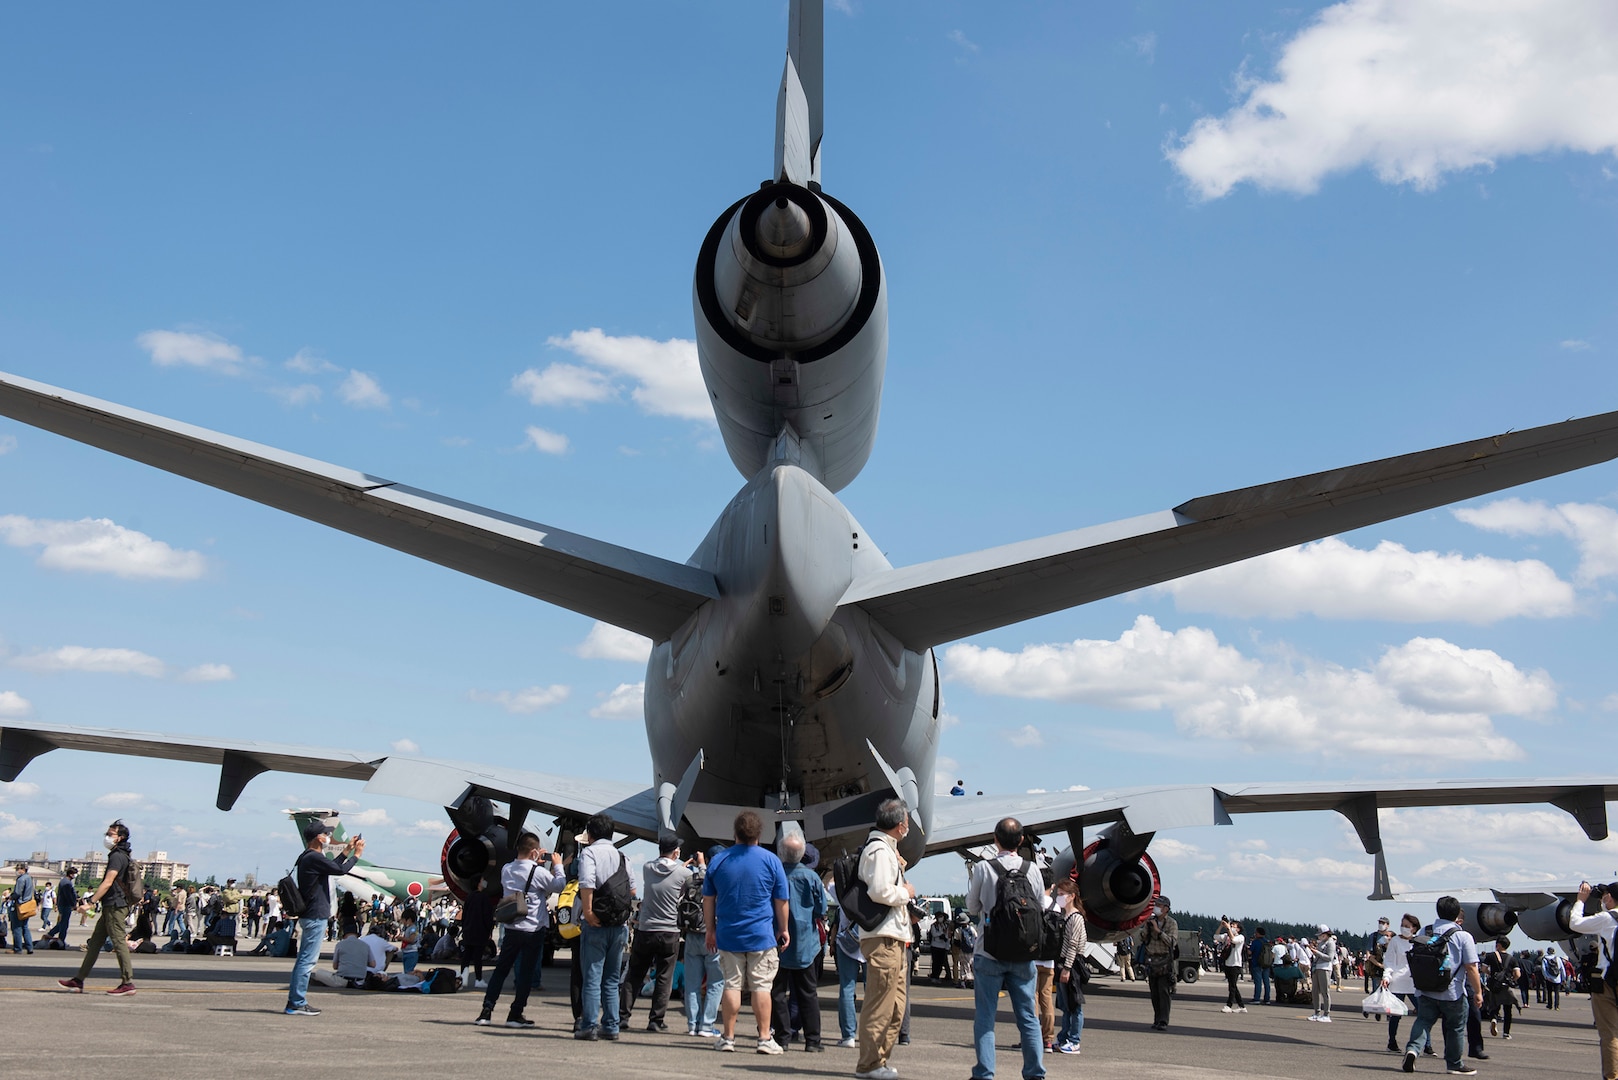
(792, 330)
(1489, 920)
(475, 848)
(1117, 888)
(1549, 923)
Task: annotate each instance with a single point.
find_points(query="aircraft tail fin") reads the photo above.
(301, 818)
(799, 116)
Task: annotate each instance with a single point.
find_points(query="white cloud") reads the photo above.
(626, 702)
(422, 827)
(18, 789)
(1415, 89)
(1168, 849)
(176, 348)
(8, 443)
(1319, 874)
(99, 661)
(529, 700)
(13, 704)
(1576, 345)
(1452, 869)
(1593, 529)
(362, 391)
(120, 800)
(1333, 580)
(1145, 45)
(405, 746)
(347, 804)
(100, 546)
(661, 377)
(1448, 694)
(963, 41)
(305, 362)
(367, 818)
(296, 396)
(564, 384)
(1024, 737)
(546, 442)
(608, 642)
(208, 673)
(13, 827)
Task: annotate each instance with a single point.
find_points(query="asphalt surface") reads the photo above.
(205, 1017)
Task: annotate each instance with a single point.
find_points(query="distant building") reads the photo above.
(94, 863)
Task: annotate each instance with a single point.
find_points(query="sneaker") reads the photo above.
(1409, 1063)
(1227, 1009)
(1507, 1035)
(1312, 1016)
(1069, 1048)
(588, 1034)
(1325, 1019)
(656, 1025)
(849, 1043)
(1494, 1027)
(519, 1021)
(814, 1048)
(485, 1018)
(300, 1010)
(609, 1036)
(1393, 1048)
(769, 1046)
(1463, 1069)
(707, 1033)
(125, 989)
(881, 1072)
(1241, 1008)
(74, 984)
(724, 1045)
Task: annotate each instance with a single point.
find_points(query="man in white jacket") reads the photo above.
(1604, 994)
(882, 870)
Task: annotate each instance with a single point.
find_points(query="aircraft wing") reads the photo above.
(639, 592)
(930, 603)
(963, 822)
(444, 783)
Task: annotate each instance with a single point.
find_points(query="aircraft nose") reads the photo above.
(783, 229)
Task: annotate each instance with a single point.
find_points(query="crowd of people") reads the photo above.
(744, 921)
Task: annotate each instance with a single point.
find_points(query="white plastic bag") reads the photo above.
(1382, 1003)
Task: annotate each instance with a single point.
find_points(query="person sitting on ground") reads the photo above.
(351, 959)
(379, 941)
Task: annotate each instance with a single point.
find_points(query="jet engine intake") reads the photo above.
(475, 848)
(1548, 923)
(1117, 893)
(792, 330)
(1487, 921)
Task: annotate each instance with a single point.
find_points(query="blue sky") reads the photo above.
(1135, 255)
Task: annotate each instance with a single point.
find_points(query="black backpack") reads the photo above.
(690, 914)
(1016, 927)
(854, 895)
(613, 899)
(1053, 925)
(292, 902)
(1430, 967)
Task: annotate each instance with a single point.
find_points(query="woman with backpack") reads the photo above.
(1070, 970)
(1396, 975)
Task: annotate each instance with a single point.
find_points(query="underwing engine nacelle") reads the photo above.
(1548, 923)
(1489, 920)
(792, 330)
(1117, 889)
(475, 848)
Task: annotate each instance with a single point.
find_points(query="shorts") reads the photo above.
(753, 971)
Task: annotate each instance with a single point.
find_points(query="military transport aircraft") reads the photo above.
(793, 668)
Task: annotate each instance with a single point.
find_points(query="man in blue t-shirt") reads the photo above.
(1448, 1005)
(744, 904)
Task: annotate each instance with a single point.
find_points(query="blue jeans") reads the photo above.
(1017, 980)
(1453, 1015)
(602, 960)
(848, 974)
(1261, 984)
(21, 937)
(697, 967)
(1071, 1029)
(311, 935)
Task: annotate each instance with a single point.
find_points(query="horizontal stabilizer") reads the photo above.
(639, 592)
(931, 603)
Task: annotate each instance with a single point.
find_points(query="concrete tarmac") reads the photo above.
(205, 1017)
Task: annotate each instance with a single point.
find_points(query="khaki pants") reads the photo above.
(883, 1010)
(111, 924)
(1045, 1001)
(1605, 1007)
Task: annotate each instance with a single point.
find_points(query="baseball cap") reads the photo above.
(1383, 921)
(1324, 929)
(314, 829)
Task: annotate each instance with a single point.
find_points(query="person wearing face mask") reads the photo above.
(1161, 943)
(1603, 994)
(314, 873)
(117, 891)
(1070, 974)
(1396, 975)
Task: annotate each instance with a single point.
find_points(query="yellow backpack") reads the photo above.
(565, 924)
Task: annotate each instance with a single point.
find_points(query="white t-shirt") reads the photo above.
(1234, 958)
